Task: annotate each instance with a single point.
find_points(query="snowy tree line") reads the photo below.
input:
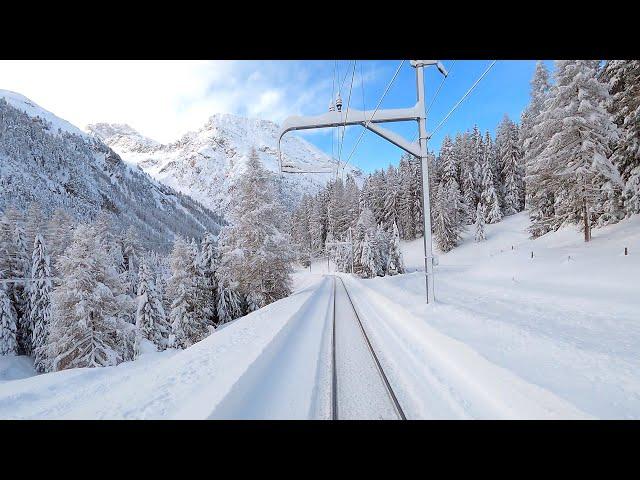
(88, 294)
(573, 159)
(359, 228)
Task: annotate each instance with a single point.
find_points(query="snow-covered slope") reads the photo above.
(509, 337)
(45, 159)
(53, 123)
(566, 320)
(204, 164)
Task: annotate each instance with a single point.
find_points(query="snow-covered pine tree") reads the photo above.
(40, 303)
(467, 161)
(129, 243)
(259, 250)
(479, 224)
(449, 174)
(301, 230)
(229, 305)
(406, 225)
(368, 261)
(366, 223)
(86, 306)
(538, 199)
(577, 155)
(416, 196)
(208, 261)
(352, 193)
(151, 320)
(8, 327)
(381, 250)
(186, 328)
(318, 222)
(395, 263)
(623, 78)
(15, 265)
(445, 227)
(509, 161)
(489, 198)
(391, 198)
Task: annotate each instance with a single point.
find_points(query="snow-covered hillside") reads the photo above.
(509, 337)
(566, 320)
(204, 164)
(46, 160)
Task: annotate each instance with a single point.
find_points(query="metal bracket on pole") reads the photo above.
(364, 118)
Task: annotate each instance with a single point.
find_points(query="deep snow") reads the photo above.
(556, 336)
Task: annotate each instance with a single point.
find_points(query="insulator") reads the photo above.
(332, 107)
(339, 103)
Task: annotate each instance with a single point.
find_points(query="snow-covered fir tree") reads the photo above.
(8, 325)
(257, 243)
(86, 327)
(623, 79)
(446, 228)
(395, 263)
(576, 158)
(368, 260)
(151, 320)
(40, 303)
(186, 327)
(539, 198)
(480, 234)
(208, 261)
(509, 157)
(489, 197)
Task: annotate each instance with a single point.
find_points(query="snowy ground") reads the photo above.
(556, 336)
(553, 336)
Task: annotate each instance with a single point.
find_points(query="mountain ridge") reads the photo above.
(205, 163)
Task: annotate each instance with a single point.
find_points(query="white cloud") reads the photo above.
(164, 99)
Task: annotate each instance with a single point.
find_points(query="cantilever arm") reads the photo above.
(357, 117)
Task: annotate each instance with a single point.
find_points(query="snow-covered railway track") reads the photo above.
(360, 388)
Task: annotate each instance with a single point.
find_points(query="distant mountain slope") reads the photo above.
(47, 160)
(205, 164)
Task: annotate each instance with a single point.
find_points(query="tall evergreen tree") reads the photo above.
(509, 160)
(86, 328)
(577, 155)
(623, 79)
(8, 327)
(151, 320)
(445, 227)
(186, 327)
(489, 198)
(539, 199)
(258, 249)
(479, 224)
(40, 303)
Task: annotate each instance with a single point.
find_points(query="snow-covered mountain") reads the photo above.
(205, 163)
(47, 160)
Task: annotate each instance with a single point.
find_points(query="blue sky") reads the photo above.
(505, 89)
(165, 99)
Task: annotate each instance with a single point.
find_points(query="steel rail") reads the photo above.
(392, 395)
(334, 389)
